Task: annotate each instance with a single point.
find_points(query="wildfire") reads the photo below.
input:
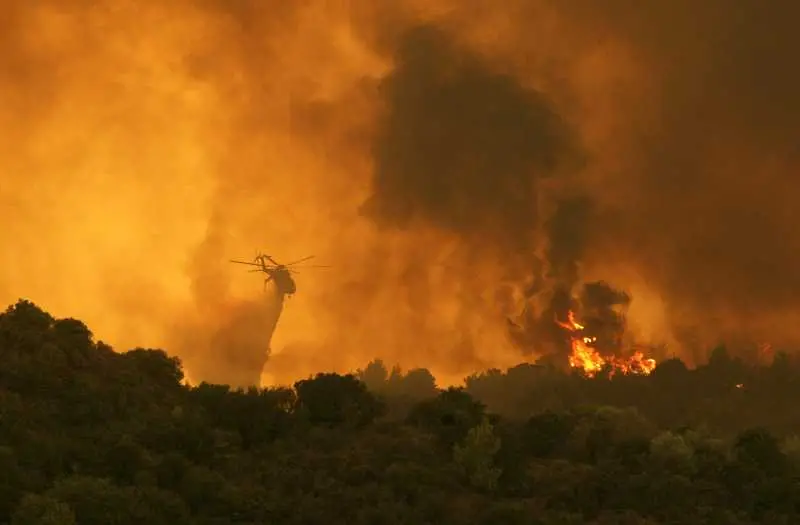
(585, 357)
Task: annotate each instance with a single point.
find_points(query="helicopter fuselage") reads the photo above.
(283, 280)
(280, 274)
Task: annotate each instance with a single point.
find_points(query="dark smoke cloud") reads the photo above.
(567, 232)
(462, 148)
(602, 311)
(712, 213)
(700, 202)
(461, 145)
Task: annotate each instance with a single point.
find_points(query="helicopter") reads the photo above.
(281, 274)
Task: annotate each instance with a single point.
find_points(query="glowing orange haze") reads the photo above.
(136, 166)
(145, 144)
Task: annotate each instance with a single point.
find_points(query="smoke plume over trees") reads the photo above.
(456, 163)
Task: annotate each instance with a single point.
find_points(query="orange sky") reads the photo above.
(145, 144)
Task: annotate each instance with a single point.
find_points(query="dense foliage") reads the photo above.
(89, 436)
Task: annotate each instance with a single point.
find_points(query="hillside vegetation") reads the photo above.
(90, 436)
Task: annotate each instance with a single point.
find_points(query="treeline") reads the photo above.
(724, 395)
(89, 436)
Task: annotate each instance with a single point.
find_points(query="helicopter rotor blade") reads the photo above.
(263, 258)
(245, 262)
(300, 260)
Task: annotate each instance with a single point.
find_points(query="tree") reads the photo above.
(374, 375)
(26, 319)
(608, 431)
(204, 491)
(94, 501)
(489, 386)
(449, 416)
(334, 400)
(759, 447)
(154, 367)
(791, 449)
(418, 383)
(11, 481)
(75, 339)
(124, 459)
(97, 501)
(35, 509)
(671, 370)
(261, 415)
(90, 436)
(25, 344)
(723, 369)
(546, 433)
(475, 456)
(670, 451)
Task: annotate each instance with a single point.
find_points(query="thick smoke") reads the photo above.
(689, 116)
(462, 146)
(709, 216)
(456, 162)
(234, 347)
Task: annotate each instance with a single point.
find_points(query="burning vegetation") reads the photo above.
(583, 327)
(584, 355)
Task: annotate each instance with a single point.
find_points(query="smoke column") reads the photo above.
(456, 163)
(235, 349)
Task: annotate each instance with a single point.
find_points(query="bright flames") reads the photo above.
(585, 357)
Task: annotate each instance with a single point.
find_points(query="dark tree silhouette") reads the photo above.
(88, 435)
(334, 400)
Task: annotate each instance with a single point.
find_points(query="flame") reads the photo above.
(585, 357)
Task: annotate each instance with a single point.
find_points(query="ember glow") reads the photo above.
(585, 357)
